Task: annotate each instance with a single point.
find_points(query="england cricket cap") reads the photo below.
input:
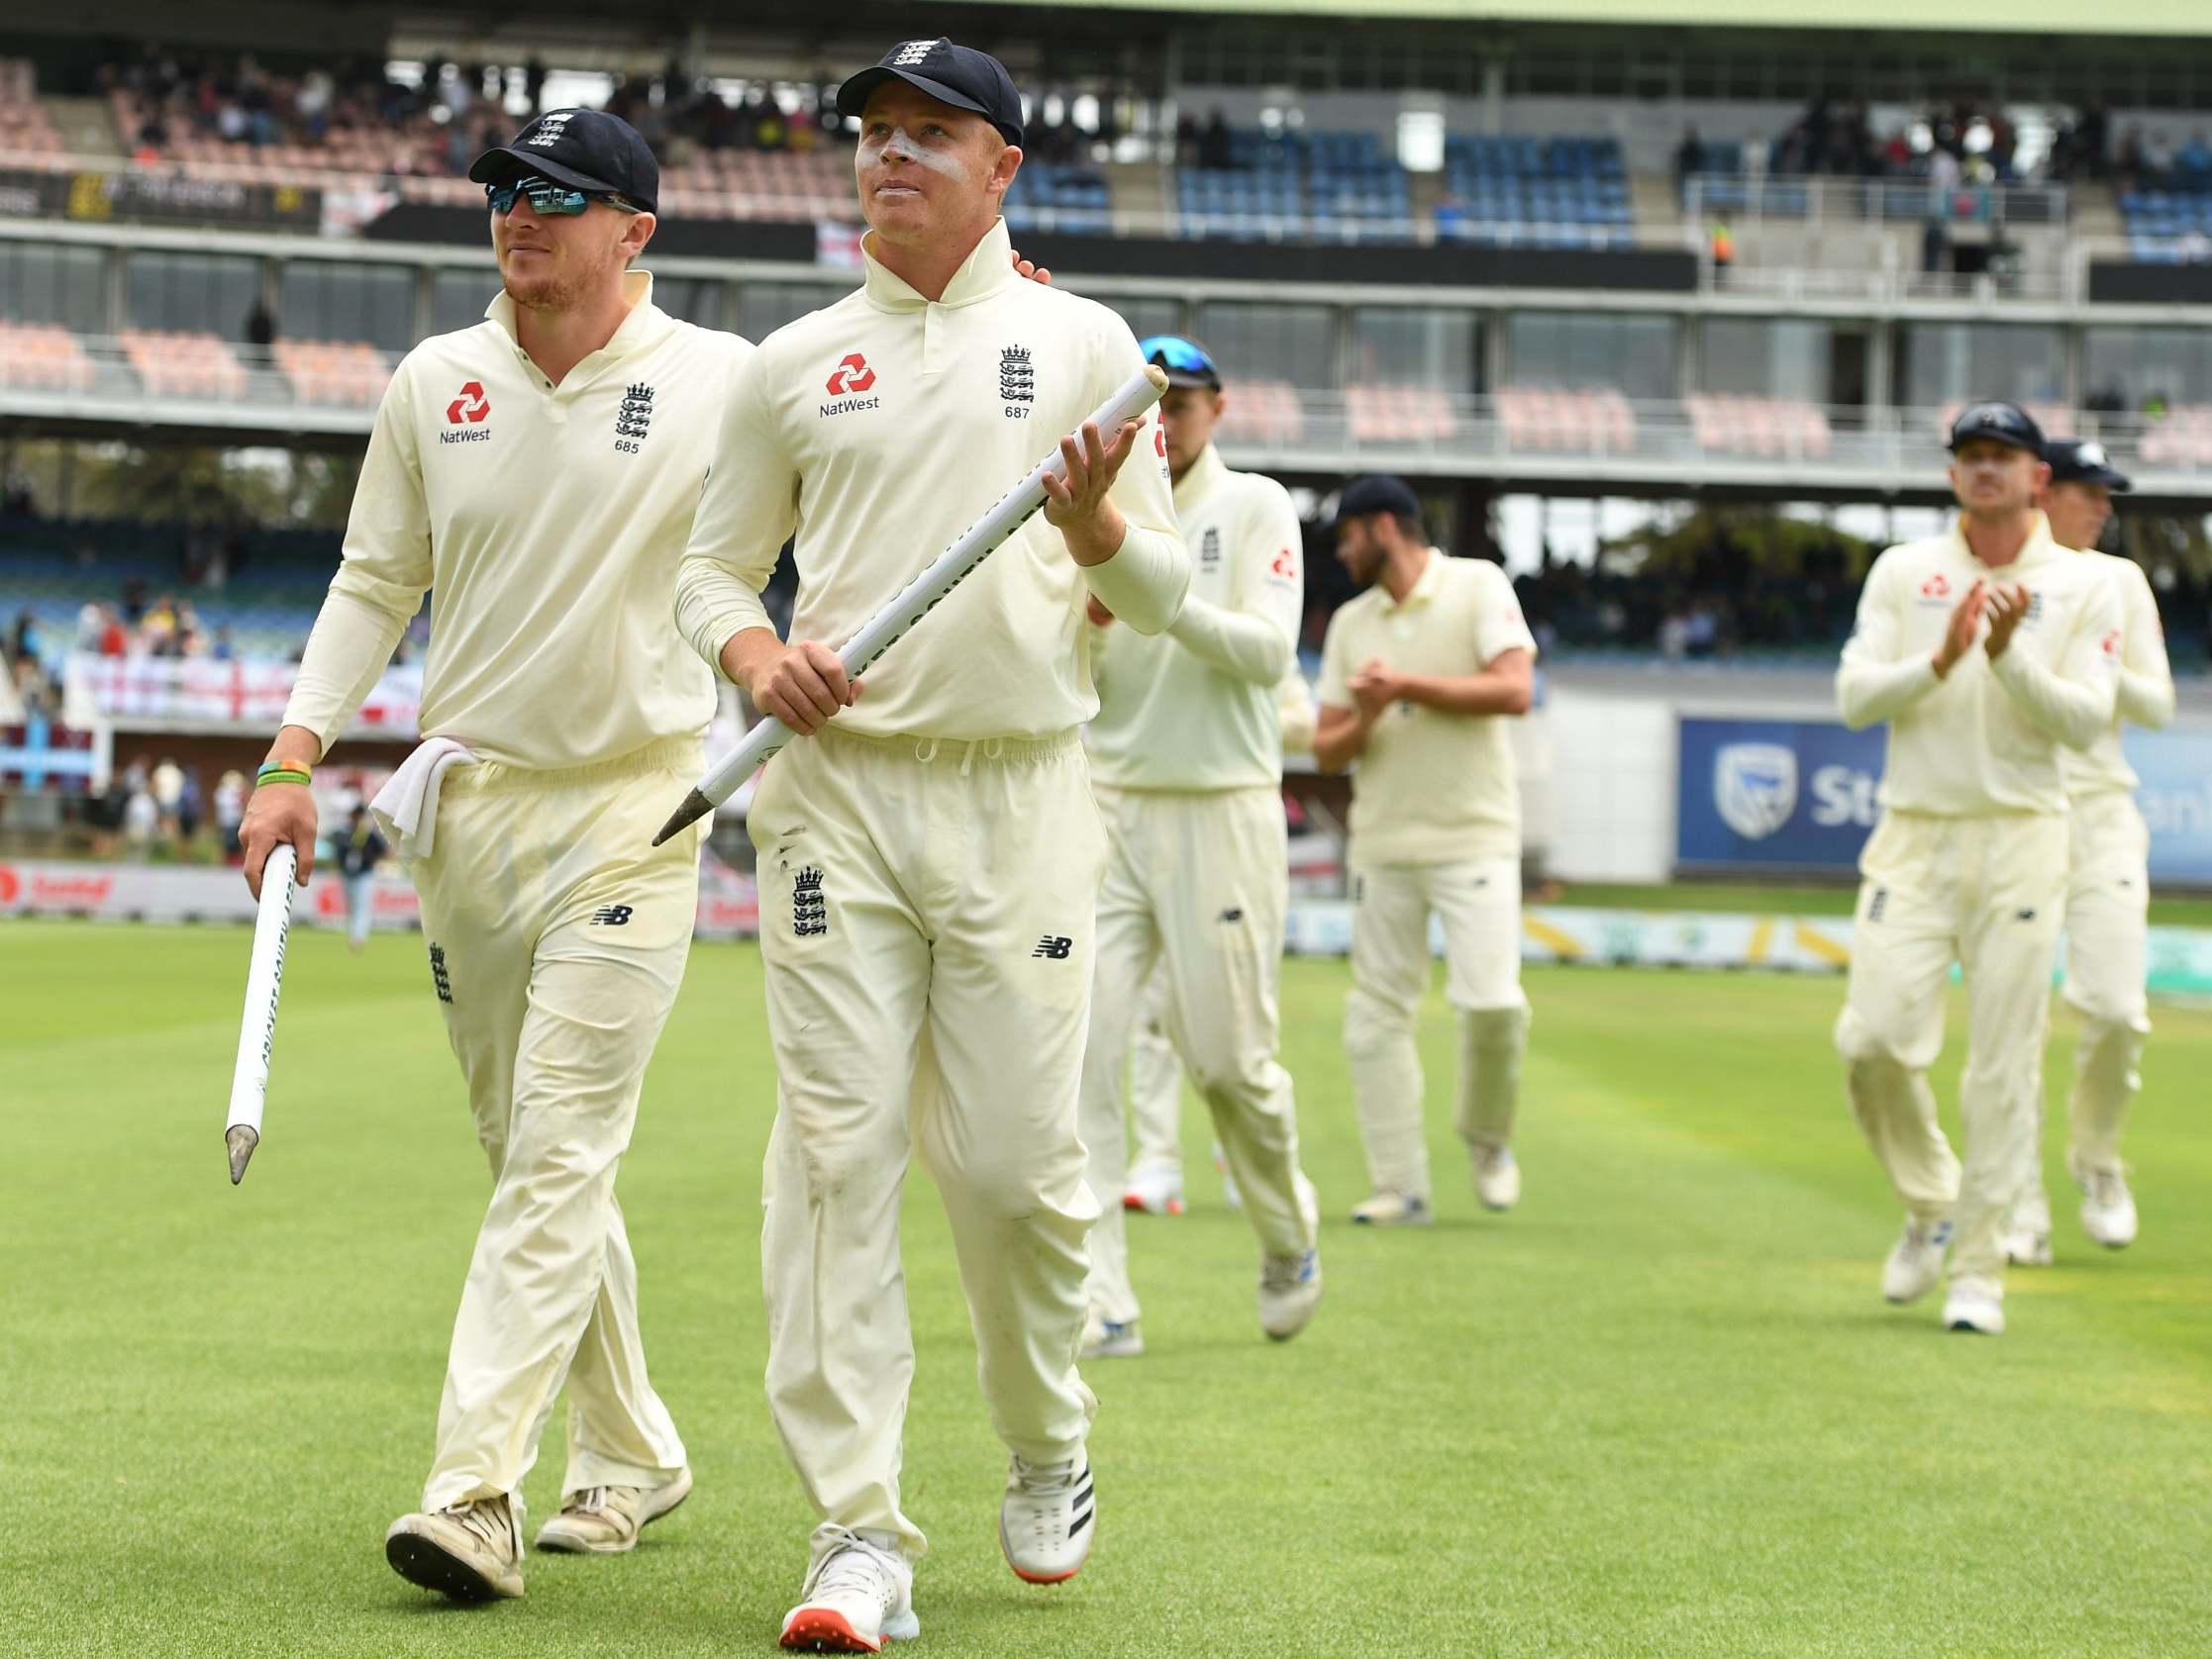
(2074, 462)
(961, 76)
(1377, 493)
(2000, 422)
(585, 150)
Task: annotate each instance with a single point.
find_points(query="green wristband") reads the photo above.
(282, 774)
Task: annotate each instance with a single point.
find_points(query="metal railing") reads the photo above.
(1535, 432)
(1747, 198)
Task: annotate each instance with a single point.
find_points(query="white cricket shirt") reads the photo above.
(547, 523)
(879, 429)
(2144, 684)
(1202, 706)
(1986, 737)
(1431, 787)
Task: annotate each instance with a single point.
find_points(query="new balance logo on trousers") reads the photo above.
(1053, 945)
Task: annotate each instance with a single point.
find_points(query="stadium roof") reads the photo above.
(2019, 17)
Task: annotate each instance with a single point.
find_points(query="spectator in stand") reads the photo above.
(1689, 157)
(1212, 144)
(230, 811)
(141, 817)
(167, 785)
(225, 649)
(113, 641)
(359, 854)
(2194, 164)
(1721, 242)
(2157, 159)
(261, 328)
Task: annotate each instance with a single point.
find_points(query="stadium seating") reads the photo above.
(25, 129)
(333, 371)
(1583, 422)
(1564, 192)
(183, 365)
(2169, 227)
(1276, 182)
(1731, 424)
(1262, 412)
(1398, 415)
(1060, 197)
(2181, 438)
(44, 358)
(767, 184)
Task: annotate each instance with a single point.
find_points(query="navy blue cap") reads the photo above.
(2000, 422)
(2074, 462)
(585, 150)
(961, 76)
(1377, 493)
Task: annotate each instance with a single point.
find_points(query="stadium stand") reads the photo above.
(1734, 423)
(333, 371)
(1399, 415)
(1566, 192)
(1060, 196)
(1277, 181)
(1539, 418)
(1262, 412)
(24, 127)
(44, 358)
(2180, 437)
(183, 364)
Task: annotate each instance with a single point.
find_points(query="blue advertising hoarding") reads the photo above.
(1799, 795)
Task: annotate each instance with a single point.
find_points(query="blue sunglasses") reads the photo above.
(559, 201)
(1180, 355)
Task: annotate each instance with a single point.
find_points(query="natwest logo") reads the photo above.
(1935, 587)
(852, 374)
(471, 406)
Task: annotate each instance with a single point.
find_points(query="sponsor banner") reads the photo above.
(2181, 958)
(1799, 795)
(1779, 792)
(203, 691)
(729, 904)
(149, 195)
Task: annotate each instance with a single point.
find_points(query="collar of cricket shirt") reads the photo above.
(1424, 586)
(2037, 549)
(1195, 485)
(988, 267)
(645, 323)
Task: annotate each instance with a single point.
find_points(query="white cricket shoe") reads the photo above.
(2028, 1249)
(1157, 1192)
(1973, 1307)
(1110, 1339)
(1393, 1209)
(857, 1598)
(1917, 1261)
(606, 1519)
(1045, 1524)
(2107, 1207)
(1289, 1292)
(1498, 1178)
(471, 1552)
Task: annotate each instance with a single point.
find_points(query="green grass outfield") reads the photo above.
(1659, 1409)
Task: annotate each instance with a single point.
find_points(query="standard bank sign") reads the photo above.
(1800, 794)
(1787, 793)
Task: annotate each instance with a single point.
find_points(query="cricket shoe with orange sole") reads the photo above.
(1045, 1523)
(858, 1595)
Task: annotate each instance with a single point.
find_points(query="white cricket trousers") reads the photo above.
(1988, 893)
(926, 922)
(1478, 901)
(557, 936)
(1155, 1088)
(1197, 883)
(2108, 907)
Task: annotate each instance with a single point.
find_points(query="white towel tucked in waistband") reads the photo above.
(406, 808)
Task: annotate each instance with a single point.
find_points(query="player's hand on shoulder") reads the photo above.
(1031, 270)
(803, 685)
(277, 813)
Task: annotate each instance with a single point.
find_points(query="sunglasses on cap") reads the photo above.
(1179, 357)
(547, 199)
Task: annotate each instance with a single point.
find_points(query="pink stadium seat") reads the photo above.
(42, 358)
(1398, 415)
(183, 364)
(1262, 412)
(2183, 437)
